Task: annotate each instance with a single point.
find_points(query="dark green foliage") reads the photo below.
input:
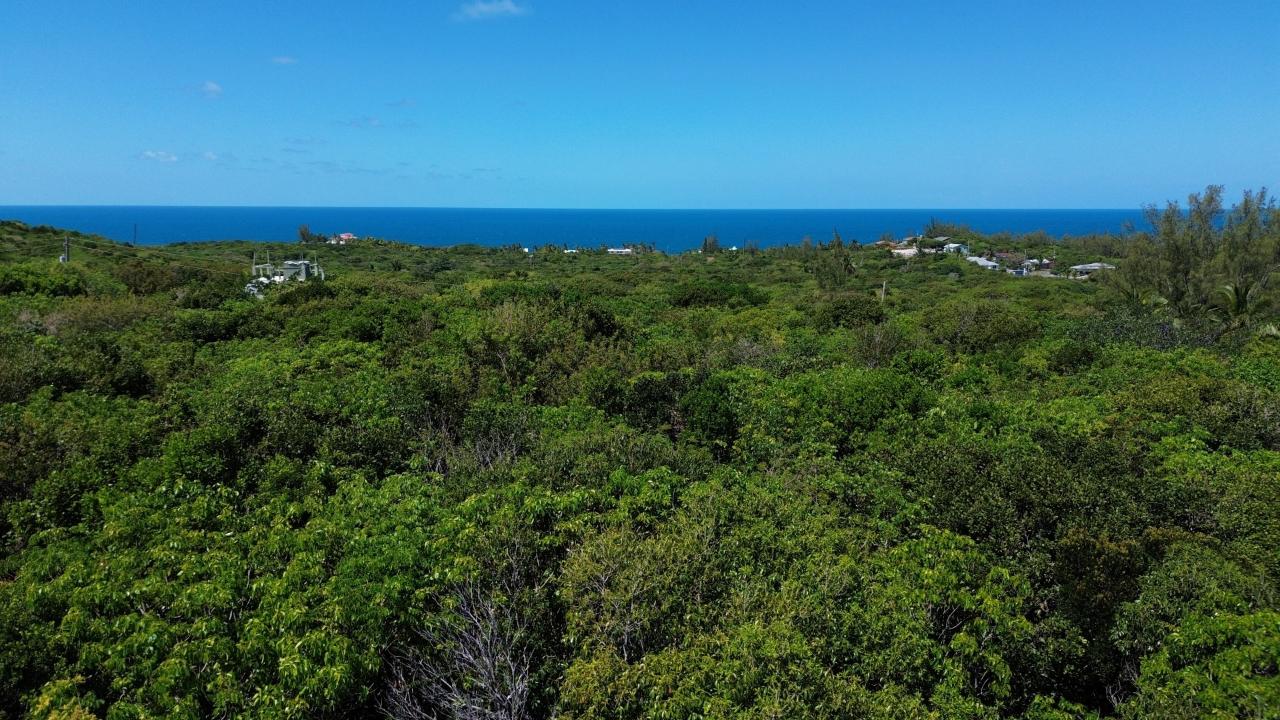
(812, 481)
(850, 310)
(39, 279)
(972, 325)
(716, 292)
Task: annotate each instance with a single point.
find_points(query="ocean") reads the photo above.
(667, 230)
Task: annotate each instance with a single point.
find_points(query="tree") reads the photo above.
(475, 664)
(1240, 305)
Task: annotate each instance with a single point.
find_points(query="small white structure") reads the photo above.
(342, 239)
(983, 262)
(571, 251)
(265, 274)
(256, 286)
(621, 251)
(955, 248)
(1090, 268)
(905, 252)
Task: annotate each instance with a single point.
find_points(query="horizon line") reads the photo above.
(581, 209)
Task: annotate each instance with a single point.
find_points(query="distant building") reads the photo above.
(955, 247)
(621, 251)
(342, 239)
(1089, 268)
(905, 252)
(983, 262)
(300, 270)
(265, 274)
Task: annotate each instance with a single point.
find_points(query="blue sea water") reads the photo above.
(668, 230)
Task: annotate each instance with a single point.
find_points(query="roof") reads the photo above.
(1090, 267)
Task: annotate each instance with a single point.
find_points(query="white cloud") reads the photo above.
(163, 156)
(284, 60)
(211, 89)
(209, 155)
(489, 9)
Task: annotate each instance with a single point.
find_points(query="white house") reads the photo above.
(1089, 268)
(621, 251)
(956, 248)
(983, 262)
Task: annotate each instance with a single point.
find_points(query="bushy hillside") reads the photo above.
(817, 481)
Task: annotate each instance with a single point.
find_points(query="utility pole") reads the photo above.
(66, 249)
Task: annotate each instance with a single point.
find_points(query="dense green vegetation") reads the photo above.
(814, 481)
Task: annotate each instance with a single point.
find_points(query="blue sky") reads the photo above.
(691, 104)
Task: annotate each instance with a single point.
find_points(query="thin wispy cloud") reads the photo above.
(161, 156)
(489, 10)
(211, 89)
(284, 60)
(209, 155)
(362, 122)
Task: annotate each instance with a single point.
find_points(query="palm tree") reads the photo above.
(1240, 304)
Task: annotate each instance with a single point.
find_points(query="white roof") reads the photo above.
(1090, 267)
